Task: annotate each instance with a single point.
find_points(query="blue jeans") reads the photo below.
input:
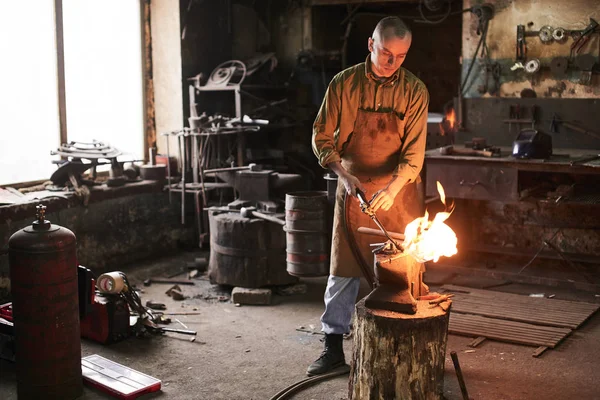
(340, 297)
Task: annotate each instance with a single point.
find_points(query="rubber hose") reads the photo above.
(295, 387)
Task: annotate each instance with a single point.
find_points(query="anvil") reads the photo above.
(398, 281)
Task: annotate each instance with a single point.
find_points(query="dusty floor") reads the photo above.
(251, 352)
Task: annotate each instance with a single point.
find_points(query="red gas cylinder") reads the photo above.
(43, 277)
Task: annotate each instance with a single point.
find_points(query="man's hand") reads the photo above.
(351, 183)
(384, 198)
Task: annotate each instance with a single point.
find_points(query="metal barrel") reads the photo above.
(307, 233)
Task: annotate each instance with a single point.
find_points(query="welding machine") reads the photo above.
(104, 314)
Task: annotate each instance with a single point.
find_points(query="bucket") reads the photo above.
(307, 233)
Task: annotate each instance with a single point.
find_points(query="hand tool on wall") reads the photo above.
(521, 45)
(584, 36)
(568, 124)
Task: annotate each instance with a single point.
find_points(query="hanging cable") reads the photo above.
(436, 21)
(482, 27)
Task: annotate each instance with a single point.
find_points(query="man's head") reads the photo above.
(389, 45)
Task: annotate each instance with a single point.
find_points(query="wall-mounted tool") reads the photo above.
(545, 34)
(532, 66)
(559, 34)
(570, 125)
(581, 38)
(521, 45)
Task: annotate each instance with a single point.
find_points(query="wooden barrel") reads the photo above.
(246, 252)
(307, 233)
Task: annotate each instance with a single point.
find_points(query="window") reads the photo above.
(29, 122)
(103, 82)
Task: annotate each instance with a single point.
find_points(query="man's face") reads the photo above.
(387, 55)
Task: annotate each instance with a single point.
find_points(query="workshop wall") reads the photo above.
(207, 42)
(501, 41)
(110, 233)
(166, 68)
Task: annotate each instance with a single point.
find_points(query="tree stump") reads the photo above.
(398, 356)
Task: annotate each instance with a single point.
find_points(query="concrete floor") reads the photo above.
(252, 352)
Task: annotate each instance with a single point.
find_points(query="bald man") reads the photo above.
(371, 132)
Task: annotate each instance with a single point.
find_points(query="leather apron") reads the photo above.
(371, 153)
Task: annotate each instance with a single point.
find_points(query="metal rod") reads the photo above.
(169, 167)
(228, 169)
(459, 375)
(182, 140)
(195, 159)
(182, 331)
(375, 232)
(198, 212)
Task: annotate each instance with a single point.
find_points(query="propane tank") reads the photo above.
(43, 277)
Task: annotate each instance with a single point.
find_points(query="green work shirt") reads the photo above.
(403, 93)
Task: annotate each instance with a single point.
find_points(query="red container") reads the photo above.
(43, 274)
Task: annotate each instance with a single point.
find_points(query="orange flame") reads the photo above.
(448, 124)
(428, 240)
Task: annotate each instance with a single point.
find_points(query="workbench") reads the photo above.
(502, 178)
(522, 208)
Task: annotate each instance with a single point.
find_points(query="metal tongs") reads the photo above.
(365, 207)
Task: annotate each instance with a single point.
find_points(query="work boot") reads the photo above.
(332, 356)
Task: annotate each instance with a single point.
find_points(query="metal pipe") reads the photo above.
(228, 169)
(182, 139)
(459, 375)
(169, 167)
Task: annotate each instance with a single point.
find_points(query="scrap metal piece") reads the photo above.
(546, 34)
(532, 66)
(559, 66)
(559, 34)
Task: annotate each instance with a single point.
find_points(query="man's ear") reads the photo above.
(370, 44)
